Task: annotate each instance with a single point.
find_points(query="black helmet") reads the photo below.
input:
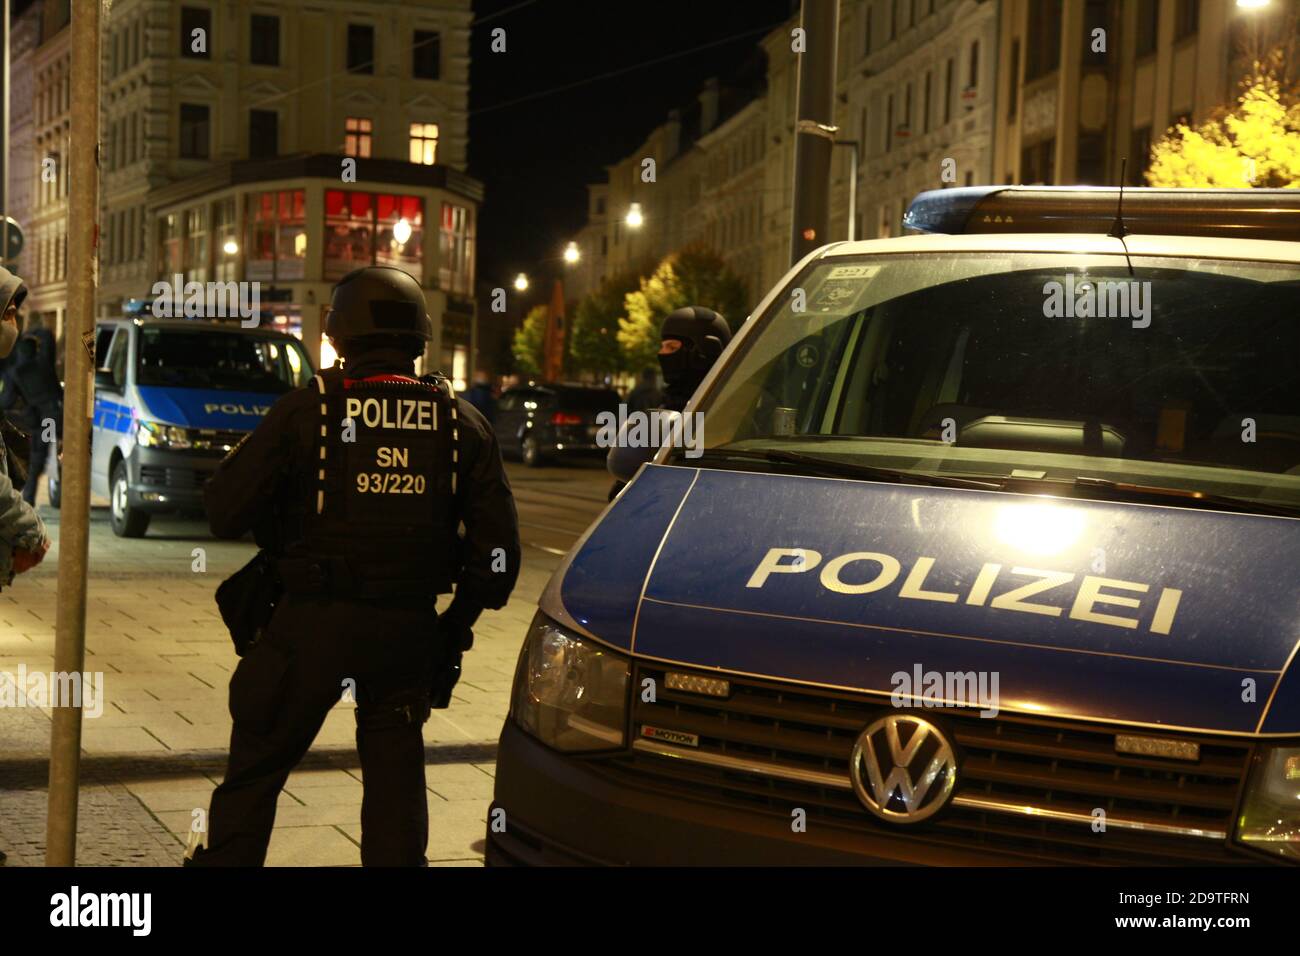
(704, 332)
(378, 300)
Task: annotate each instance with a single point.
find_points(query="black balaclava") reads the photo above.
(703, 334)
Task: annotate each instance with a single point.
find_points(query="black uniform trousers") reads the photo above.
(279, 696)
(40, 449)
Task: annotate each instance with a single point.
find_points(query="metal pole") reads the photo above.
(4, 132)
(853, 193)
(852, 147)
(814, 131)
(74, 524)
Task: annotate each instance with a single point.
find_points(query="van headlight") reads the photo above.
(157, 435)
(570, 693)
(1270, 814)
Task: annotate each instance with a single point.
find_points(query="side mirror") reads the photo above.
(625, 460)
(104, 381)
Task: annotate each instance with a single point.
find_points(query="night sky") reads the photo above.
(536, 156)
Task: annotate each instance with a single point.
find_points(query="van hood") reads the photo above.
(205, 407)
(1138, 614)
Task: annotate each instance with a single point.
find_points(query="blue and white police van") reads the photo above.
(172, 397)
(990, 555)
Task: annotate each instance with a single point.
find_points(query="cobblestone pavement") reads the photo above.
(153, 755)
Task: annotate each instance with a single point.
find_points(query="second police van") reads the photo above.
(172, 397)
(991, 556)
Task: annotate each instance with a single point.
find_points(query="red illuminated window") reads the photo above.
(363, 229)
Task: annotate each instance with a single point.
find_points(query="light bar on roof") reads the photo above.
(1225, 213)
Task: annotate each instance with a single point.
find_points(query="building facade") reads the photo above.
(648, 199)
(41, 170)
(727, 197)
(273, 142)
(705, 186)
(916, 87)
(1089, 83)
(592, 240)
(24, 37)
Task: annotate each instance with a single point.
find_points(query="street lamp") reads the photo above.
(572, 253)
(521, 282)
(634, 219)
(230, 248)
(402, 231)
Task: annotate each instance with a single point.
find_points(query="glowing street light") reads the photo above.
(230, 248)
(521, 282)
(572, 253)
(402, 231)
(634, 219)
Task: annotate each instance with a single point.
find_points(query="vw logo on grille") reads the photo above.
(903, 768)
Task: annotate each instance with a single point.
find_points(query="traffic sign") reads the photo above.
(15, 238)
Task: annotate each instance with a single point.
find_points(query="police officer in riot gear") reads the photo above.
(690, 341)
(356, 485)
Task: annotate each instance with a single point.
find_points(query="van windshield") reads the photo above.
(1180, 376)
(211, 358)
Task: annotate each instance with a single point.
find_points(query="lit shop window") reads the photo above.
(456, 249)
(399, 237)
(225, 234)
(424, 143)
(196, 244)
(169, 243)
(276, 244)
(364, 229)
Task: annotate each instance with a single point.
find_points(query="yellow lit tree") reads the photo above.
(695, 275)
(1256, 143)
(529, 346)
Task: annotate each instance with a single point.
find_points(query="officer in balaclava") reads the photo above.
(23, 542)
(35, 378)
(690, 341)
(357, 483)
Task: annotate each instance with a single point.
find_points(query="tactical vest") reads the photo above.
(380, 519)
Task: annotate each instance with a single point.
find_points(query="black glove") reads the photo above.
(453, 635)
(446, 672)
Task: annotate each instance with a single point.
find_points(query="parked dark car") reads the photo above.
(546, 421)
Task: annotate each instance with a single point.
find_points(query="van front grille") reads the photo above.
(1026, 787)
(180, 479)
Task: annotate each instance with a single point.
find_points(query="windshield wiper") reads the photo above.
(844, 469)
(1128, 490)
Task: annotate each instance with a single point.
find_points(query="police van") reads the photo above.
(172, 397)
(990, 556)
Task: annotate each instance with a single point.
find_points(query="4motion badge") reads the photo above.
(670, 736)
(903, 769)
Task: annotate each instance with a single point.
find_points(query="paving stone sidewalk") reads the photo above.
(158, 748)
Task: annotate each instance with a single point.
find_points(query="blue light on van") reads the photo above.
(945, 211)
